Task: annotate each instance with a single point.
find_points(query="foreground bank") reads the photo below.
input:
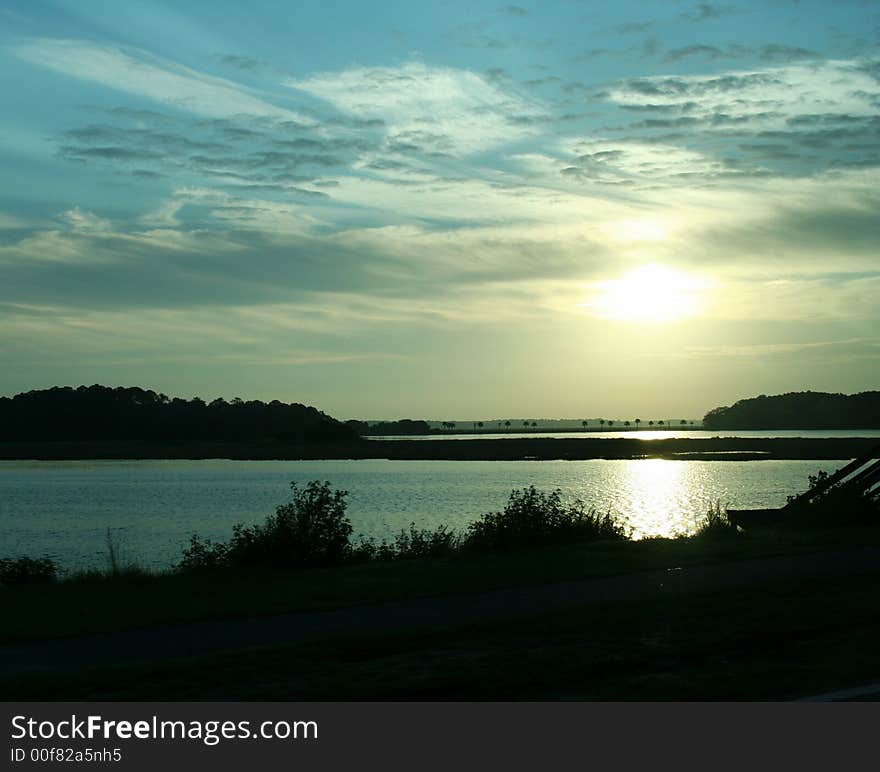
(702, 627)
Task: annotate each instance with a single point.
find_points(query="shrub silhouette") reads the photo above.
(838, 505)
(534, 517)
(716, 524)
(16, 571)
(412, 543)
(311, 530)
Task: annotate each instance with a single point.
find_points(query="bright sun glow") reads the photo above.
(651, 293)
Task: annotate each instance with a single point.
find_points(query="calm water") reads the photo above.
(65, 508)
(644, 434)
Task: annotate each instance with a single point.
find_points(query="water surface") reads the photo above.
(639, 434)
(64, 508)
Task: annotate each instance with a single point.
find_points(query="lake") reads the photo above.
(637, 434)
(64, 508)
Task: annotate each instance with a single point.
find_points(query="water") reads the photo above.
(64, 508)
(644, 434)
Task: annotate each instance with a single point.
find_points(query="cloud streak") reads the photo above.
(150, 76)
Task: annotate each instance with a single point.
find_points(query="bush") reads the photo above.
(311, 530)
(716, 524)
(533, 517)
(412, 543)
(424, 543)
(840, 504)
(17, 571)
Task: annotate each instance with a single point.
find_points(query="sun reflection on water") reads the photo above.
(656, 493)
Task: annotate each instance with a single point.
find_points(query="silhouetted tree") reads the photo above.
(799, 410)
(131, 413)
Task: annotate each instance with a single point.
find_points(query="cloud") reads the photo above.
(630, 161)
(513, 10)
(708, 12)
(138, 72)
(767, 96)
(466, 110)
(233, 153)
(773, 52)
(845, 348)
(246, 63)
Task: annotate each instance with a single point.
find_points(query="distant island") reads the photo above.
(405, 426)
(90, 413)
(799, 410)
(100, 422)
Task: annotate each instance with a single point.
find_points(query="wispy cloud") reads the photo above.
(513, 10)
(444, 110)
(147, 75)
(760, 97)
(708, 12)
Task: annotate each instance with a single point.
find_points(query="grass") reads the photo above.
(782, 640)
(103, 602)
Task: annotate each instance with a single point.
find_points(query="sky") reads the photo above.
(444, 210)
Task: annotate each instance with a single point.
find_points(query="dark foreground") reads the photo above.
(785, 627)
(513, 449)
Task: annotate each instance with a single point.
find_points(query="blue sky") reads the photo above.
(442, 209)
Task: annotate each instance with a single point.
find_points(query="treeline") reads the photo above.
(405, 426)
(98, 412)
(799, 410)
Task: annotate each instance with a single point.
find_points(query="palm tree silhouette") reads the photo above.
(638, 421)
(585, 424)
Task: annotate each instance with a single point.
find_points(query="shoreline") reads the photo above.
(514, 449)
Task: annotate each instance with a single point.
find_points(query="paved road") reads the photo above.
(215, 636)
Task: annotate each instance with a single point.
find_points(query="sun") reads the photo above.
(652, 293)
